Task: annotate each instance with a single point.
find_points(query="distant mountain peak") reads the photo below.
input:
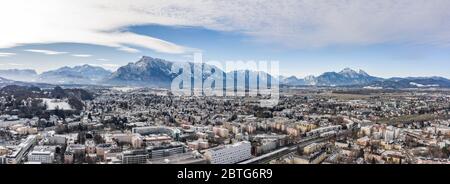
(348, 71)
(293, 80)
(345, 77)
(87, 66)
(19, 74)
(20, 70)
(151, 59)
(147, 58)
(147, 70)
(292, 77)
(147, 61)
(362, 72)
(81, 74)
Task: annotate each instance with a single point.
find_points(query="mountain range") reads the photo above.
(155, 72)
(346, 77)
(349, 77)
(147, 72)
(19, 75)
(85, 74)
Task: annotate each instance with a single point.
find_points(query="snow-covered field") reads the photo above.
(53, 103)
(124, 89)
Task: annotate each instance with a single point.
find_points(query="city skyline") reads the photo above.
(384, 38)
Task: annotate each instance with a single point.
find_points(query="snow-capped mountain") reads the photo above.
(147, 71)
(156, 72)
(85, 74)
(6, 82)
(293, 80)
(26, 75)
(413, 82)
(346, 77)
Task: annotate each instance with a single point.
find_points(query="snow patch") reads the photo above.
(422, 85)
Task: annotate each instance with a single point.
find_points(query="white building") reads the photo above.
(389, 135)
(57, 139)
(229, 154)
(267, 145)
(45, 157)
(320, 130)
(16, 156)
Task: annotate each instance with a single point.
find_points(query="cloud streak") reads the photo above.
(46, 52)
(102, 59)
(11, 64)
(293, 23)
(7, 54)
(82, 55)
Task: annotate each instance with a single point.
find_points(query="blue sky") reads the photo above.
(385, 60)
(384, 38)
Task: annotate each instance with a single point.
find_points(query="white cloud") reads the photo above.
(46, 52)
(128, 49)
(11, 64)
(295, 23)
(81, 55)
(102, 59)
(7, 54)
(14, 64)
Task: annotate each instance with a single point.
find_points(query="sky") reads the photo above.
(385, 38)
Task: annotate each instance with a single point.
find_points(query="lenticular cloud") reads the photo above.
(292, 23)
